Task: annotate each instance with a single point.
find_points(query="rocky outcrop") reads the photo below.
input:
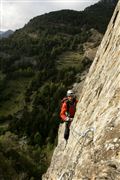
(93, 149)
(91, 46)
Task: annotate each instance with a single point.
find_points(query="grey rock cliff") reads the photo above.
(93, 149)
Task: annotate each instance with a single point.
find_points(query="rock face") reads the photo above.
(93, 149)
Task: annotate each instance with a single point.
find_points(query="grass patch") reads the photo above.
(69, 59)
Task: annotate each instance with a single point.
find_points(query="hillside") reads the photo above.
(38, 46)
(37, 64)
(71, 22)
(93, 148)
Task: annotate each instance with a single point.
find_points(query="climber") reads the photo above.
(67, 112)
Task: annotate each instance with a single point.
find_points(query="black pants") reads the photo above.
(67, 130)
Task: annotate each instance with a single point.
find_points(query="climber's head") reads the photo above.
(70, 94)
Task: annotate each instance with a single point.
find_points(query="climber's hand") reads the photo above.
(68, 119)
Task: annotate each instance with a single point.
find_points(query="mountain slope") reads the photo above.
(38, 46)
(1, 32)
(93, 149)
(6, 34)
(72, 21)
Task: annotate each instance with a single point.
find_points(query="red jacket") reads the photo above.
(65, 111)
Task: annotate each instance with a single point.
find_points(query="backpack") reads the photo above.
(65, 99)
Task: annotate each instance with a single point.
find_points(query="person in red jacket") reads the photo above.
(68, 111)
